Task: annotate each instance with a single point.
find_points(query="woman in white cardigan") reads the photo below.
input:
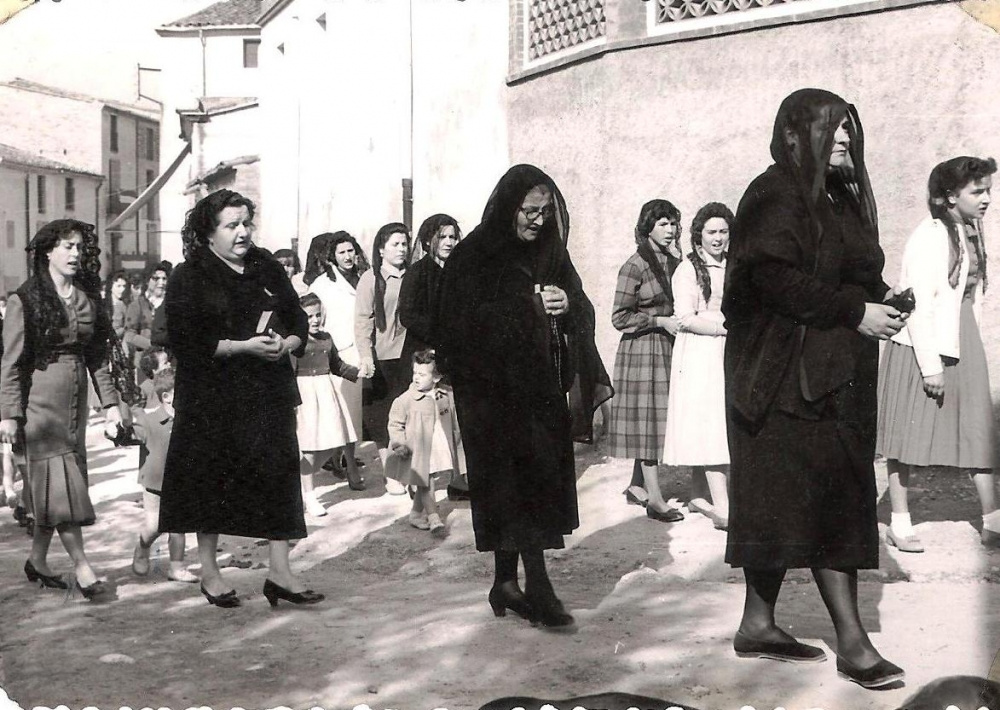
(934, 391)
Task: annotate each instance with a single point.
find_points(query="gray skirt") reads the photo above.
(958, 430)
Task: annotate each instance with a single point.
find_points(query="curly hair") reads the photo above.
(42, 302)
(947, 178)
(109, 284)
(361, 264)
(150, 360)
(707, 212)
(203, 219)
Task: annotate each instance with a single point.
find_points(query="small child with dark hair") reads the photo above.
(152, 428)
(424, 441)
(153, 360)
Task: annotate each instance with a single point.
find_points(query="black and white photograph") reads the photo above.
(496, 354)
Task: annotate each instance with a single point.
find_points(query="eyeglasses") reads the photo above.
(533, 213)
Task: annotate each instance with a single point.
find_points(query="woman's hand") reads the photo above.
(880, 321)
(264, 347)
(671, 324)
(8, 431)
(934, 385)
(286, 345)
(555, 300)
(112, 422)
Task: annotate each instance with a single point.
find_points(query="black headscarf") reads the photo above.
(811, 117)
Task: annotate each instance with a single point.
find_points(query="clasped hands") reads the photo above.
(882, 321)
(270, 347)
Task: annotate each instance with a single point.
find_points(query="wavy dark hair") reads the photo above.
(42, 302)
(651, 213)
(946, 179)
(382, 237)
(203, 219)
(707, 212)
(109, 284)
(430, 230)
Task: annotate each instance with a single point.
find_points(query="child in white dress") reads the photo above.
(424, 442)
(696, 411)
(323, 422)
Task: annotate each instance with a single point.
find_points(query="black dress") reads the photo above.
(800, 379)
(417, 305)
(233, 462)
(511, 366)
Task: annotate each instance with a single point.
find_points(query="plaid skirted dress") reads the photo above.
(642, 363)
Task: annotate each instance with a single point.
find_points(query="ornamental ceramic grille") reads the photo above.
(675, 10)
(555, 25)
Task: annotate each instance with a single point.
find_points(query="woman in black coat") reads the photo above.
(804, 309)
(516, 332)
(232, 467)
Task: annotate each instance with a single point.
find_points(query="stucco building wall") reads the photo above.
(691, 122)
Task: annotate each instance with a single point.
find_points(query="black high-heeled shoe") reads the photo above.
(93, 591)
(54, 581)
(225, 601)
(509, 596)
(548, 610)
(273, 592)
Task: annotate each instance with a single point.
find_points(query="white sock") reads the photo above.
(991, 521)
(901, 524)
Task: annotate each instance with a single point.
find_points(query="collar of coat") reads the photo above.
(436, 392)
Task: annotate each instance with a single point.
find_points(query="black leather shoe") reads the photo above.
(457, 493)
(788, 651)
(95, 590)
(274, 592)
(882, 673)
(672, 515)
(54, 581)
(509, 596)
(225, 601)
(549, 611)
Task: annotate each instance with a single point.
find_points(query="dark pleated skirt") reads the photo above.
(958, 430)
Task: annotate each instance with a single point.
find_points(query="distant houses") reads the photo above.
(53, 132)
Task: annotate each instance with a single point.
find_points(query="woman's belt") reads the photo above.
(312, 371)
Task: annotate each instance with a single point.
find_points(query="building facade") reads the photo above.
(34, 191)
(103, 137)
(623, 101)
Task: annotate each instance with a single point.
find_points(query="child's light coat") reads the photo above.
(411, 422)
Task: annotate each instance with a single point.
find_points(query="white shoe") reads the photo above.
(181, 575)
(315, 508)
(394, 487)
(419, 520)
(437, 528)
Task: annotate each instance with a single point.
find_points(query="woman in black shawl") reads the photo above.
(517, 333)
(803, 306)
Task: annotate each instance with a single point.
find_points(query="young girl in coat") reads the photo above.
(424, 441)
(696, 411)
(933, 384)
(323, 423)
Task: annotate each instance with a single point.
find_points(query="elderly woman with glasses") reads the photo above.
(516, 331)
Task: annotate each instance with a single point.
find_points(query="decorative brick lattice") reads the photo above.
(676, 10)
(556, 25)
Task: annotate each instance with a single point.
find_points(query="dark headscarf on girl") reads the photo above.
(574, 354)
(707, 212)
(427, 234)
(317, 257)
(649, 214)
(361, 264)
(946, 178)
(381, 238)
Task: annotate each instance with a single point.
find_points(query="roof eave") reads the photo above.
(273, 11)
(194, 30)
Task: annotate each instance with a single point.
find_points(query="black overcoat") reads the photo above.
(233, 462)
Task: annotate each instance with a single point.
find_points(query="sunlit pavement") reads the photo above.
(406, 624)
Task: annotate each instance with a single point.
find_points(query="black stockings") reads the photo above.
(505, 567)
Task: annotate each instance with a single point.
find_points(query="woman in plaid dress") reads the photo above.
(644, 313)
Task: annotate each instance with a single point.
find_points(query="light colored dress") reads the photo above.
(322, 421)
(696, 412)
(338, 308)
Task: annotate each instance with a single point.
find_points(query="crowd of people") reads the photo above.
(752, 359)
